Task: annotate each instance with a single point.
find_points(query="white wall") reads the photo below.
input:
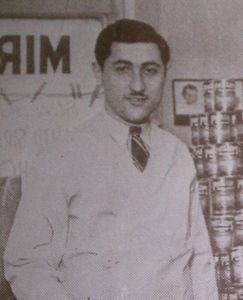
(148, 11)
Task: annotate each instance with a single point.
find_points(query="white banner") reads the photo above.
(46, 85)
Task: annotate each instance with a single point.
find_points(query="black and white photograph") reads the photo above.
(188, 97)
(121, 150)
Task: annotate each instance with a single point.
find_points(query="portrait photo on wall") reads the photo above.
(188, 99)
(200, 96)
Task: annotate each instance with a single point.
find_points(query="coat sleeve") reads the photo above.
(37, 239)
(202, 265)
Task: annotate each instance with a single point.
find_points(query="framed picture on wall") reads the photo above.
(199, 96)
(187, 99)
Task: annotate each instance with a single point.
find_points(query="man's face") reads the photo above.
(133, 79)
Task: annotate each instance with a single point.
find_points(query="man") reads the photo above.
(189, 93)
(113, 213)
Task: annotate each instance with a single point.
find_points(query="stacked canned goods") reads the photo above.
(219, 95)
(212, 160)
(226, 233)
(217, 149)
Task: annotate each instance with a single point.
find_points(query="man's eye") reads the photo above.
(150, 71)
(122, 69)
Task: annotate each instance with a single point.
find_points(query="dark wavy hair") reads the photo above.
(129, 31)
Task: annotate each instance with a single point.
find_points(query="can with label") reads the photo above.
(234, 130)
(228, 159)
(241, 158)
(204, 196)
(221, 228)
(208, 93)
(216, 259)
(223, 196)
(210, 160)
(225, 99)
(225, 271)
(238, 229)
(239, 126)
(228, 296)
(237, 265)
(204, 129)
(239, 193)
(239, 292)
(220, 127)
(195, 132)
(233, 296)
(197, 154)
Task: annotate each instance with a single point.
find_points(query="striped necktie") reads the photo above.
(140, 154)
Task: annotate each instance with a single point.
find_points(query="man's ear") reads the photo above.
(98, 76)
(97, 73)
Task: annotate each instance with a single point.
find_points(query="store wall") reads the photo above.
(206, 40)
(60, 8)
(148, 11)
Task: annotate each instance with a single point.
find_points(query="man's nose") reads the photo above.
(137, 83)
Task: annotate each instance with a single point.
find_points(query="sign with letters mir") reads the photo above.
(46, 83)
(52, 53)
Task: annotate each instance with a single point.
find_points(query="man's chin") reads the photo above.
(137, 119)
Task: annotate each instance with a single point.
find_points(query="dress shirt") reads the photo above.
(90, 225)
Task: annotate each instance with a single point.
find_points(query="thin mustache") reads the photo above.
(137, 95)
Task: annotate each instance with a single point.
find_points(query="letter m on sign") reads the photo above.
(62, 52)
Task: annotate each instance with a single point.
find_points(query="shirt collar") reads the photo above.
(119, 130)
